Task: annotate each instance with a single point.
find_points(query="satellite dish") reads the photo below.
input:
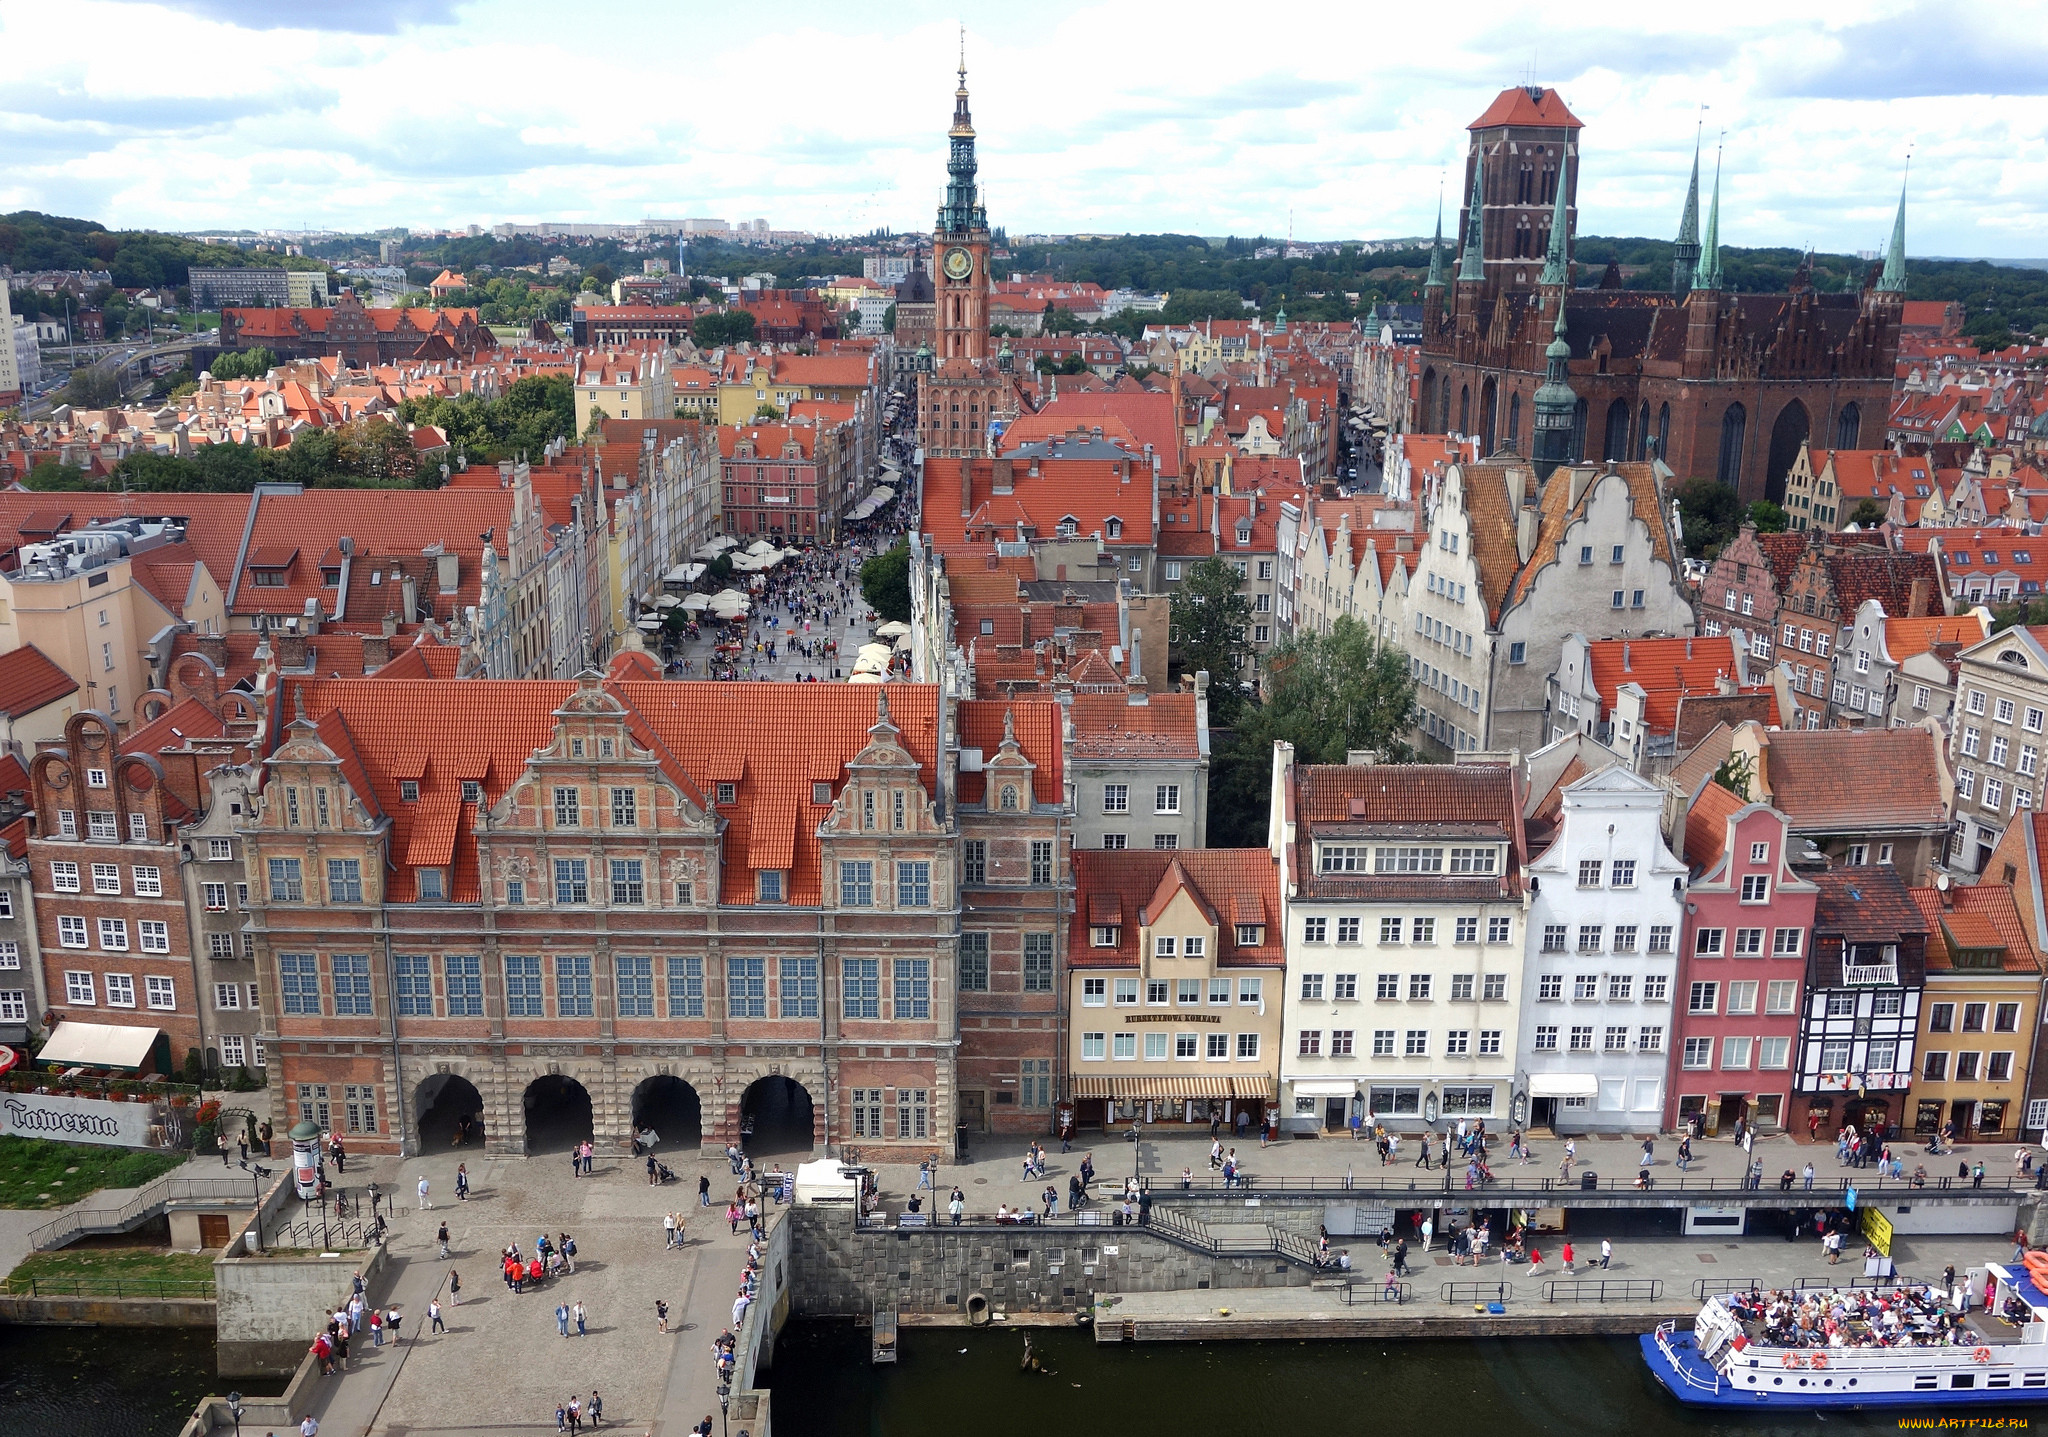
(1941, 881)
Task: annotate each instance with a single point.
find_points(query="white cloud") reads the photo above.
(1096, 115)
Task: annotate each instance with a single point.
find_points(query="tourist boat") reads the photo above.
(1726, 1361)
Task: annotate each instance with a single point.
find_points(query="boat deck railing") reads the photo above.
(1682, 1368)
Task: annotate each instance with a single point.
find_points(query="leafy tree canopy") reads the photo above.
(1211, 624)
(885, 583)
(1710, 514)
(722, 327)
(1769, 518)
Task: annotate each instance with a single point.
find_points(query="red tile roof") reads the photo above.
(1854, 780)
(1109, 726)
(1706, 826)
(1126, 888)
(29, 680)
(1982, 915)
(1516, 106)
(1037, 726)
(1665, 669)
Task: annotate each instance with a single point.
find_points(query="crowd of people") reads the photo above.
(1927, 1316)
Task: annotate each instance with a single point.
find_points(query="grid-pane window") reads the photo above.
(344, 880)
(463, 974)
(568, 809)
(351, 984)
(913, 1112)
(1038, 962)
(686, 987)
(912, 996)
(914, 884)
(414, 975)
(313, 1104)
(861, 988)
(359, 1107)
(1041, 860)
(522, 986)
(573, 995)
(867, 1112)
(635, 987)
(746, 987)
(216, 897)
(974, 962)
(797, 987)
(1036, 1085)
(625, 808)
(856, 883)
(299, 983)
(286, 884)
(974, 861)
(629, 886)
(572, 880)
(155, 935)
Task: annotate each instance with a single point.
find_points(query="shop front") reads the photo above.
(1236, 1101)
(1324, 1105)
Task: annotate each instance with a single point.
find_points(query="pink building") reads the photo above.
(1741, 967)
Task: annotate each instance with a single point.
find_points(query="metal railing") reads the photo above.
(1603, 1289)
(18, 1286)
(1367, 1292)
(149, 1202)
(1457, 1292)
(1667, 1332)
(1508, 1185)
(312, 1234)
(1706, 1287)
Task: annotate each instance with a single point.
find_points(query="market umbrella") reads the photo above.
(667, 601)
(696, 603)
(760, 546)
(895, 628)
(903, 643)
(864, 676)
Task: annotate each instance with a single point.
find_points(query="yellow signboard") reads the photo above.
(1878, 1229)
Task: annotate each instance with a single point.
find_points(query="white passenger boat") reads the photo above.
(1900, 1345)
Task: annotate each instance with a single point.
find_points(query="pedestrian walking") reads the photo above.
(1535, 1260)
(732, 1217)
(393, 1320)
(954, 1207)
(660, 1315)
(568, 1247)
(703, 1191)
(376, 1328)
(462, 1182)
(653, 1171)
(1808, 1177)
(561, 1417)
(1428, 1233)
(454, 1288)
(575, 1414)
(1567, 1256)
(562, 1318)
(1606, 1253)
(1649, 1147)
(595, 1407)
(581, 1330)
(309, 1427)
(442, 1237)
(424, 1204)
(668, 1230)
(434, 1323)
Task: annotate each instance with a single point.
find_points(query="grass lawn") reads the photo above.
(104, 1268)
(38, 1173)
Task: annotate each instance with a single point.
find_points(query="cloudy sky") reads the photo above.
(1206, 117)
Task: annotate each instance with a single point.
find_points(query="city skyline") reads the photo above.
(1092, 119)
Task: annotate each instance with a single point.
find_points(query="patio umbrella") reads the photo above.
(696, 603)
(667, 601)
(903, 643)
(760, 546)
(895, 628)
(864, 676)
(878, 652)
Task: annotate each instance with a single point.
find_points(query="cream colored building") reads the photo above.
(631, 385)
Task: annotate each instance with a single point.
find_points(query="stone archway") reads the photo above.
(451, 1113)
(670, 1106)
(557, 1113)
(776, 1116)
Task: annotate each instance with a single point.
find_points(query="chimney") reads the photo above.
(1580, 478)
(1525, 534)
(390, 627)
(1917, 604)
(1688, 649)
(410, 588)
(291, 651)
(376, 652)
(309, 624)
(1137, 667)
(449, 571)
(214, 647)
(1626, 666)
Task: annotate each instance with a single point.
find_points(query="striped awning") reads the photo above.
(1253, 1088)
(1162, 1089)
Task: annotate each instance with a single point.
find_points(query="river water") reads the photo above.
(102, 1381)
(950, 1381)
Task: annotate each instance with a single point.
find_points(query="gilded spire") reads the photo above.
(1436, 250)
(1554, 260)
(1708, 275)
(1473, 266)
(1893, 280)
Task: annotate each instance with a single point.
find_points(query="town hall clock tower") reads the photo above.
(962, 388)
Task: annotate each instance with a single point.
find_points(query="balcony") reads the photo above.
(1870, 975)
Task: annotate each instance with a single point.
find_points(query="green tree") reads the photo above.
(1769, 518)
(1710, 514)
(885, 583)
(889, 320)
(1326, 694)
(1868, 514)
(722, 327)
(1211, 620)
(92, 388)
(1737, 774)
(765, 413)
(50, 476)
(243, 364)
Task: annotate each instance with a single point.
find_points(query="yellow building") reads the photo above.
(1978, 1014)
(783, 379)
(630, 385)
(1175, 964)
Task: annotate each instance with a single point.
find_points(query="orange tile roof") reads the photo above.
(1706, 826)
(1516, 106)
(29, 679)
(1904, 638)
(1129, 886)
(1854, 780)
(1037, 726)
(1665, 669)
(1110, 726)
(1982, 915)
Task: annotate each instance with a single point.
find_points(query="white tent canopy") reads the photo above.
(895, 628)
(761, 546)
(649, 623)
(714, 547)
(903, 643)
(98, 1045)
(667, 601)
(864, 676)
(882, 494)
(683, 574)
(696, 603)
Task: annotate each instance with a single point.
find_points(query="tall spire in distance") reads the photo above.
(1436, 249)
(1473, 266)
(962, 211)
(1555, 270)
(1893, 280)
(1685, 254)
(1708, 275)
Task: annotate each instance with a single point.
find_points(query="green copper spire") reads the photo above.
(1473, 266)
(1685, 254)
(1436, 251)
(1556, 405)
(1708, 275)
(1893, 280)
(1554, 270)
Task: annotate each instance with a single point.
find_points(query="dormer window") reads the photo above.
(1114, 528)
(1244, 535)
(821, 793)
(1009, 798)
(727, 792)
(768, 887)
(408, 790)
(1069, 527)
(431, 890)
(330, 578)
(1250, 935)
(1103, 936)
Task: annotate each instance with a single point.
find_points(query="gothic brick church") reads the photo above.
(1717, 384)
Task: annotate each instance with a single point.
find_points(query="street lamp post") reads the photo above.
(724, 1407)
(235, 1410)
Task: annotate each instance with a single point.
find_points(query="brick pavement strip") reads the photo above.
(502, 1364)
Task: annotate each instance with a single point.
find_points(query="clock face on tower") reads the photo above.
(959, 264)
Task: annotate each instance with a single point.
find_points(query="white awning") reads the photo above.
(1563, 1085)
(98, 1045)
(1323, 1088)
